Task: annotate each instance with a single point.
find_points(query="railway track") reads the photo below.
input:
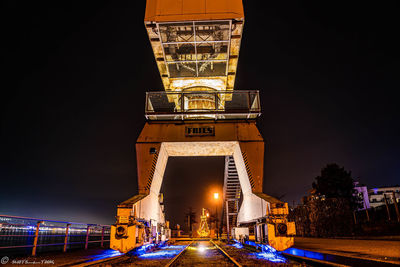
(131, 259)
(206, 252)
(195, 252)
(202, 252)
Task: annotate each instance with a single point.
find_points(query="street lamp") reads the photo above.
(216, 196)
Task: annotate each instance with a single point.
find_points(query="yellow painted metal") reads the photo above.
(145, 164)
(123, 215)
(125, 240)
(201, 58)
(184, 10)
(246, 133)
(154, 133)
(291, 228)
(277, 214)
(280, 243)
(126, 243)
(129, 202)
(187, 13)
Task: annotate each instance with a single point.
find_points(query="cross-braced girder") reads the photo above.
(197, 48)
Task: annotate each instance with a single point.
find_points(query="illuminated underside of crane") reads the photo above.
(196, 46)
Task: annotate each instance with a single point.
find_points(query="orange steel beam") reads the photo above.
(183, 10)
(153, 134)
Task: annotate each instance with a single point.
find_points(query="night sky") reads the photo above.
(72, 103)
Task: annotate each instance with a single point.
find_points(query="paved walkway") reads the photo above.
(58, 258)
(381, 250)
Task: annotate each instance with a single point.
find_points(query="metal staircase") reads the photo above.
(231, 194)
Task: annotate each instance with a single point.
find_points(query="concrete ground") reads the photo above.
(57, 258)
(381, 250)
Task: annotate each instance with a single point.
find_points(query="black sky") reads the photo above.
(75, 74)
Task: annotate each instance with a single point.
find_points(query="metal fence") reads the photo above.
(22, 235)
(197, 105)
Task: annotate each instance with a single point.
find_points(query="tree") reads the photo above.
(330, 217)
(336, 182)
(328, 210)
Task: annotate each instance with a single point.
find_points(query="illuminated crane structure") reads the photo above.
(203, 231)
(196, 47)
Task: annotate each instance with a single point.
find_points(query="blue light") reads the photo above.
(269, 256)
(160, 254)
(267, 252)
(237, 244)
(142, 249)
(165, 252)
(109, 253)
(305, 253)
(173, 247)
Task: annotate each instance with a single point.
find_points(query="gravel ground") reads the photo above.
(368, 249)
(153, 258)
(248, 257)
(202, 253)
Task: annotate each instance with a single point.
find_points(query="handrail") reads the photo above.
(206, 104)
(40, 233)
(36, 219)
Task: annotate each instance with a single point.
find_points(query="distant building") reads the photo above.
(362, 192)
(377, 195)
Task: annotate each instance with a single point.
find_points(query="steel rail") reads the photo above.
(223, 252)
(177, 256)
(218, 248)
(123, 257)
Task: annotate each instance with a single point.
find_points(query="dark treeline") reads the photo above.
(332, 209)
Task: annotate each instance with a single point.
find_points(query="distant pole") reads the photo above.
(216, 197)
(396, 206)
(387, 206)
(216, 219)
(355, 218)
